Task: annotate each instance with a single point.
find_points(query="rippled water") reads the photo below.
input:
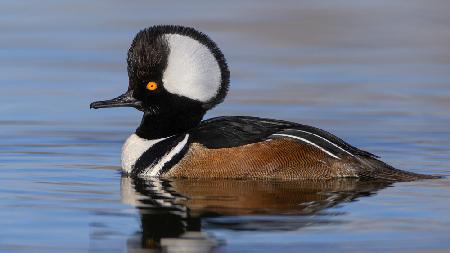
(376, 73)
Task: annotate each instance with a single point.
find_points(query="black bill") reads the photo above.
(124, 100)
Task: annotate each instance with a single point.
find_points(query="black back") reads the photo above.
(233, 131)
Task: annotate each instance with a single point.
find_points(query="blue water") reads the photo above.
(376, 73)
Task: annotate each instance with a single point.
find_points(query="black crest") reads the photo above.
(149, 51)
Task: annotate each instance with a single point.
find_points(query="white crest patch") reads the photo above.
(192, 70)
(133, 148)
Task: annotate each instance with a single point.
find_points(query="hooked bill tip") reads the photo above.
(95, 105)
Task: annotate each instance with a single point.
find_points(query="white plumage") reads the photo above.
(155, 170)
(133, 148)
(192, 70)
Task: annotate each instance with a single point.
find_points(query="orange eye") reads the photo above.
(152, 86)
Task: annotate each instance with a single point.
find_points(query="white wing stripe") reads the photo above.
(305, 140)
(324, 140)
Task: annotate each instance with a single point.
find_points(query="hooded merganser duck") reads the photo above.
(176, 74)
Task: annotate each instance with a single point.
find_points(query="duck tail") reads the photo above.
(375, 169)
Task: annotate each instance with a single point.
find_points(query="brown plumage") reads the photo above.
(271, 159)
(281, 159)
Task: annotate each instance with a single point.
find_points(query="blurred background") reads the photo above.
(376, 73)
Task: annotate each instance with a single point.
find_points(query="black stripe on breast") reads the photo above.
(175, 159)
(155, 153)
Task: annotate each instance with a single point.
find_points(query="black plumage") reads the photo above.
(231, 131)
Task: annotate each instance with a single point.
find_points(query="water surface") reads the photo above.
(376, 74)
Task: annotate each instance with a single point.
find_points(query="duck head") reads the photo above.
(176, 74)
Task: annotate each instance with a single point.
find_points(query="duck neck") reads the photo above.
(167, 124)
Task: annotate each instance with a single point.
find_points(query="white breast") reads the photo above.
(155, 170)
(133, 148)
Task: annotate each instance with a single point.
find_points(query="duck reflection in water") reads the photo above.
(174, 212)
